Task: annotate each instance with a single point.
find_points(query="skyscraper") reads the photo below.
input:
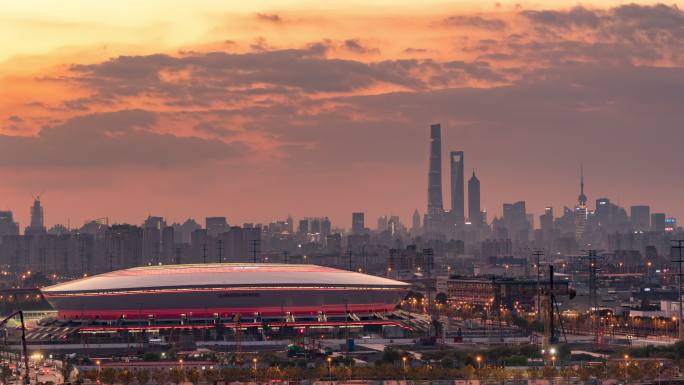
(640, 216)
(435, 206)
(216, 225)
(303, 228)
(658, 222)
(457, 186)
(382, 223)
(546, 221)
(515, 220)
(7, 224)
(581, 209)
(603, 211)
(415, 223)
(37, 221)
(358, 223)
(474, 212)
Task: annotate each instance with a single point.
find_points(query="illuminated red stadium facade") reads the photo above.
(223, 291)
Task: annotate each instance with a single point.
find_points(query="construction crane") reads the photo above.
(24, 350)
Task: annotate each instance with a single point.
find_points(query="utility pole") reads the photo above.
(82, 252)
(255, 245)
(538, 253)
(593, 288)
(678, 244)
(219, 247)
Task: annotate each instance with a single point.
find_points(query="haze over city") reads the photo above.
(260, 110)
(341, 192)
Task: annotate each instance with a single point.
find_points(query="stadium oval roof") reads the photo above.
(222, 275)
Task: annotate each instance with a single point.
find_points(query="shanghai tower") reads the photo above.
(435, 206)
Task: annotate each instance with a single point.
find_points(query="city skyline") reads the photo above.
(372, 192)
(357, 225)
(245, 114)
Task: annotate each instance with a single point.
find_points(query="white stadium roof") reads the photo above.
(222, 275)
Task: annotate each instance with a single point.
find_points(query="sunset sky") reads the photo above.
(259, 109)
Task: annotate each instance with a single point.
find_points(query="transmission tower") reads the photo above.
(219, 249)
(678, 244)
(255, 249)
(593, 290)
(538, 253)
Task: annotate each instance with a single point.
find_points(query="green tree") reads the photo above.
(193, 375)
(108, 376)
(177, 375)
(391, 355)
(151, 356)
(211, 375)
(5, 373)
(549, 372)
(91, 375)
(125, 377)
(66, 370)
(160, 377)
(142, 376)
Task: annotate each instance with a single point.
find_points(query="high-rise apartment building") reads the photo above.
(658, 222)
(216, 225)
(358, 223)
(640, 216)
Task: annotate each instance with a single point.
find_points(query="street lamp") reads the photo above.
(329, 359)
(479, 362)
(403, 360)
(99, 370)
(254, 361)
(180, 363)
(626, 364)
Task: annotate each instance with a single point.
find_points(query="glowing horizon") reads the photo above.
(263, 109)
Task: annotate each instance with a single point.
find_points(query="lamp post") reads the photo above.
(99, 370)
(403, 360)
(626, 364)
(180, 364)
(479, 362)
(660, 369)
(329, 359)
(254, 362)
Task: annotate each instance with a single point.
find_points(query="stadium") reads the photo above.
(223, 290)
(254, 298)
